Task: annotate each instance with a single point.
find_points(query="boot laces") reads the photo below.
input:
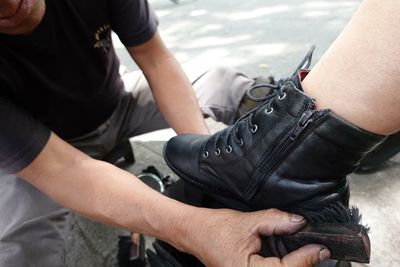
(277, 91)
(304, 64)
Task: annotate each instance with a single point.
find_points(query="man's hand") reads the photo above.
(231, 238)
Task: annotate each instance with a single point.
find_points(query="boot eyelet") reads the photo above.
(269, 111)
(254, 129)
(241, 143)
(206, 154)
(217, 152)
(228, 149)
(281, 97)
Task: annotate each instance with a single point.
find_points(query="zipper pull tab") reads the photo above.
(304, 121)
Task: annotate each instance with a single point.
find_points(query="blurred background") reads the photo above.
(255, 36)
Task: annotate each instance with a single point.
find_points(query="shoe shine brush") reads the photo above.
(337, 227)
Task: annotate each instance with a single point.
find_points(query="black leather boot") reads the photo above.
(375, 160)
(283, 154)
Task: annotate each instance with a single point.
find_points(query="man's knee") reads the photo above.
(32, 227)
(222, 71)
(224, 75)
(219, 92)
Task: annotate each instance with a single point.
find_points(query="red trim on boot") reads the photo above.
(302, 74)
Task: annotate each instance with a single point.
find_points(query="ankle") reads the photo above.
(357, 112)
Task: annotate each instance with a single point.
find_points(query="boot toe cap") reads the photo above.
(181, 153)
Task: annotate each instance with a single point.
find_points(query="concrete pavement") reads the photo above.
(259, 38)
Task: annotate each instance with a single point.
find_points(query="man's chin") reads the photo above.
(29, 24)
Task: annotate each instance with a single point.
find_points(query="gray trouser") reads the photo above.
(32, 227)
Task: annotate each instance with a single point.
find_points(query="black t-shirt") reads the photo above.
(64, 76)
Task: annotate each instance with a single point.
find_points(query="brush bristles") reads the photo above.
(334, 213)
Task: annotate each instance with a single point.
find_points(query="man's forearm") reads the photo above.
(170, 86)
(113, 196)
(106, 193)
(175, 97)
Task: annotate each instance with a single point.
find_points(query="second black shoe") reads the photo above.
(283, 154)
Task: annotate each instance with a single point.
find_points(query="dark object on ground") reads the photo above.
(130, 254)
(154, 179)
(374, 161)
(122, 150)
(164, 255)
(345, 241)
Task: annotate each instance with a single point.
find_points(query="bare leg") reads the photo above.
(359, 76)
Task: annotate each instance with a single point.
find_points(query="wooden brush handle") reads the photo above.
(346, 242)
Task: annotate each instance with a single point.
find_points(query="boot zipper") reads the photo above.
(304, 121)
(309, 118)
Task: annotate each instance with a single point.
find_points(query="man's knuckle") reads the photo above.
(274, 213)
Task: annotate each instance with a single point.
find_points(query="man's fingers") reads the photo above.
(276, 222)
(306, 256)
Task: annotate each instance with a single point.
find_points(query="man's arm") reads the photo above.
(104, 192)
(170, 86)
(110, 195)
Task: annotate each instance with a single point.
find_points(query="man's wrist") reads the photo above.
(187, 228)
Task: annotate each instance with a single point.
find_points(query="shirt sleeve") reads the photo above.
(22, 137)
(134, 21)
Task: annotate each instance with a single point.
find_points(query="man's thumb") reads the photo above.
(306, 256)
